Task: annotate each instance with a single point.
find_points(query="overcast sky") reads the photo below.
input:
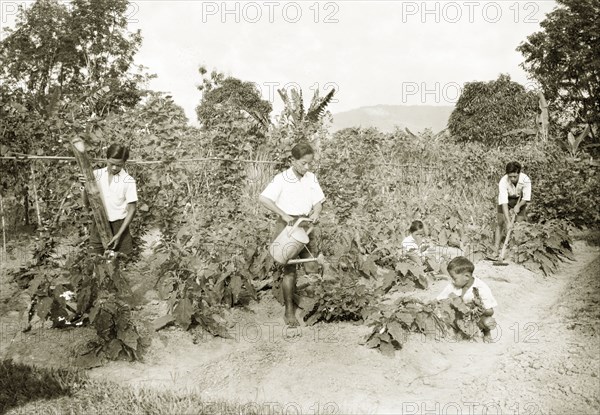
(372, 52)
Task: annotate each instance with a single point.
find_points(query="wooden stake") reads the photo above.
(3, 228)
(62, 203)
(96, 204)
(35, 198)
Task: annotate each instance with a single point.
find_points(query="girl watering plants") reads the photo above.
(119, 197)
(295, 193)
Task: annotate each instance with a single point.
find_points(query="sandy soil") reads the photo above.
(545, 358)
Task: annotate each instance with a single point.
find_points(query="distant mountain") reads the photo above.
(386, 117)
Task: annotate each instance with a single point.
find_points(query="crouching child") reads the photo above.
(471, 290)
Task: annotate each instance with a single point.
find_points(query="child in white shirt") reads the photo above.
(292, 194)
(514, 194)
(472, 290)
(119, 196)
(414, 244)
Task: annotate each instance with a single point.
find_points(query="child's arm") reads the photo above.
(131, 207)
(316, 212)
(269, 204)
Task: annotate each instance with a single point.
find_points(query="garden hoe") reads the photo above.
(500, 261)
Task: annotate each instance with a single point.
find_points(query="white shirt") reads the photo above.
(506, 189)
(485, 293)
(409, 244)
(292, 195)
(117, 194)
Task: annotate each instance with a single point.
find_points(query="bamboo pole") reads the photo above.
(35, 197)
(26, 157)
(62, 203)
(96, 204)
(3, 228)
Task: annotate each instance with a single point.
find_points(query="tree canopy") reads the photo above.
(229, 98)
(487, 111)
(564, 58)
(61, 65)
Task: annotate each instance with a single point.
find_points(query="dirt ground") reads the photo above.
(545, 358)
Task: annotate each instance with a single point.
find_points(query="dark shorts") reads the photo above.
(312, 248)
(125, 245)
(522, 211)
(512, 202)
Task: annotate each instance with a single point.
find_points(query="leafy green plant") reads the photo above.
(542, 246)
(80, 289)
(118, 337)
(337, 300)
(574, 142)
(406, 274)
(449, 317)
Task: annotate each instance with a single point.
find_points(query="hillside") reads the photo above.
(386, 117)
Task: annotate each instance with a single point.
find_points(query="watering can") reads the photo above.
(290, 242)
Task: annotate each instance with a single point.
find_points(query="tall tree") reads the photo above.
(230, 99)
(63, 62)
(487, 111)
(63, 67)
(564, 57)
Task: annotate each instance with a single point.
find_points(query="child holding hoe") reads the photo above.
(119, 197)
(514, 194)
(471, 290)
(292, 194)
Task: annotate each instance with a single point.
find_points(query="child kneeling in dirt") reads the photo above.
(472, 290)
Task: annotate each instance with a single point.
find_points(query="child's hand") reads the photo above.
(477, 302)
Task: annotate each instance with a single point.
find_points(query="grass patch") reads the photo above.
(26, 389)
(20, 384)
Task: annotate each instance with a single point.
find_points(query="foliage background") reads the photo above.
(213, 233)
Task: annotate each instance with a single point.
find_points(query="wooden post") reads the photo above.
(91, 187)
(26, 204)
(3, 256)
(35, 198)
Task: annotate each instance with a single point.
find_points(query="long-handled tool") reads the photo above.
(320, 259)
(500, 262)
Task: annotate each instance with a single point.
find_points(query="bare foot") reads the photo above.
(290, 319)
(487, 338)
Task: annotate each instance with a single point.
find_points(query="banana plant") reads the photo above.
(295, 119)
(575, 142)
